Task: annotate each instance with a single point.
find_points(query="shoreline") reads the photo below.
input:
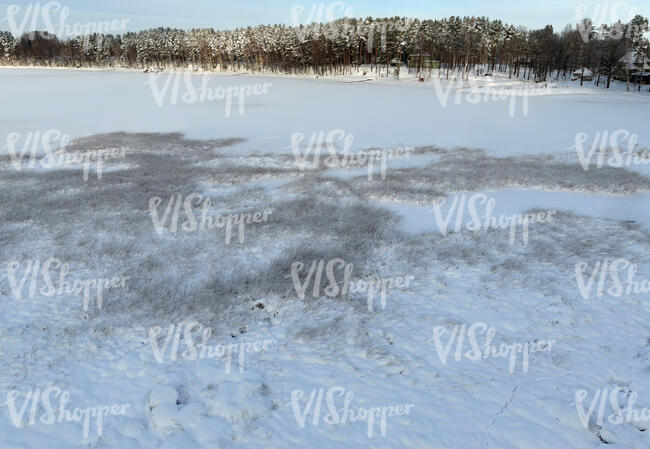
(358, 77)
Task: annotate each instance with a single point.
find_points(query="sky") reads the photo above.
(221, 14)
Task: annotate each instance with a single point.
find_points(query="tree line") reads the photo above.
(467, 45)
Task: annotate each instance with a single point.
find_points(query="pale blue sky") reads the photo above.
(230, 14)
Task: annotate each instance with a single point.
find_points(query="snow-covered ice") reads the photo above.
(206, 344)
(88, 102)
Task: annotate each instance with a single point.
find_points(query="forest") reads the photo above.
(467, 45)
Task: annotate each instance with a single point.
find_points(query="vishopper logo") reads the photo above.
(487, 349)
(169, 220)
(309, 157)
(174, 88)
(615, 278)
(322, 15)
(482, 220)
(478, 92)
(343, 413)
(612, 154)
(61, 414)
(189, 333)
(42, 153)
(616, 397)
(48, 279)
(341, 287)
(617, 14)
(51, 18)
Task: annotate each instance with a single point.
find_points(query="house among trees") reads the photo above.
(638, 64)
(584, 73)
(636, 61)
(423, 60)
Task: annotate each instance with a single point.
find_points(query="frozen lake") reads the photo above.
(380, 349)
(385, 113)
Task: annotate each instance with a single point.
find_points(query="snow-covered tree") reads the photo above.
(461, 45)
